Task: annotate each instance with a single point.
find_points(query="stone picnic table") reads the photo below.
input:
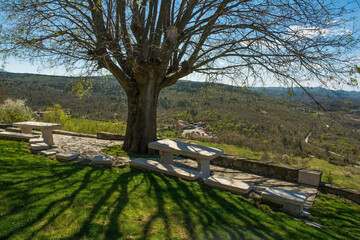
(202, 154)
(45, 128)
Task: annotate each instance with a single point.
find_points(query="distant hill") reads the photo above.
(330, 99)
(317, 92)
(245, 117)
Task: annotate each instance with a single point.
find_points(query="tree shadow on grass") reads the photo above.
(208, 213)
(120, 187)
(172, 204)
(41, 215)
(160, 212)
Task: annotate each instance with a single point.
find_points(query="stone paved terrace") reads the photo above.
(90, 147)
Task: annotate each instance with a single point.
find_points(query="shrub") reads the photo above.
(329, 178)
(265, 157)
(15, 110)
(55, 115)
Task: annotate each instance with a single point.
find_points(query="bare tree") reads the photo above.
(149, 44)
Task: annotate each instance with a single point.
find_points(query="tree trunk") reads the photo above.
(141, 122)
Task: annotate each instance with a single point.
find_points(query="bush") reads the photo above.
(329, 178)
(265, 157)
(15, 110)
(55, 115)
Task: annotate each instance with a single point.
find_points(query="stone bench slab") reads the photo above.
(17, 136)
(233, 185)
(292, 202)
(13, 129)
(186, 149)
(156, 166)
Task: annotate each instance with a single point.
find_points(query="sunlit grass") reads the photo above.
(44, 199)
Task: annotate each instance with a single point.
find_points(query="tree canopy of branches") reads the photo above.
(150, 44)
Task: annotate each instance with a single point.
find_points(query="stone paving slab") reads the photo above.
(103, 160)
(39, 146)
(233, 185)
(285, 196)
(292, 202)
(36, 140)
(67, 156)
(153, 165)
(17, 136)
(88, 148)
(48, 152)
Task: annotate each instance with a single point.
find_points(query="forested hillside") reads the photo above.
(331, 100)
(238, 116)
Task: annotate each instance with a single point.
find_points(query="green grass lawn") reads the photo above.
(44, 199)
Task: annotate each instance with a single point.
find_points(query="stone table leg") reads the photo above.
(204, 167)
(26, 129)
(166, 157)
(47, 136)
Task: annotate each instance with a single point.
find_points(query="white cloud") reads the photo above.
(310, 32)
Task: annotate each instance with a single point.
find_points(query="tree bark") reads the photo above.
(141, 122)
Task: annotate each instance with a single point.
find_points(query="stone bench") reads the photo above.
(17, 136)
(292, 202)
(45, 128)
(187, 174)
(232, 185)
(202, 154)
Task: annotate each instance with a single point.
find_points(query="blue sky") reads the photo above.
(21, 66)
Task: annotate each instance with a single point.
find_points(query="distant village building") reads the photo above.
(40, 113)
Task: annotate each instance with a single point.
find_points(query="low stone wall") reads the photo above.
(276, 170)
(351, 194)
(110, 136)
(4, 125)
(62, 132)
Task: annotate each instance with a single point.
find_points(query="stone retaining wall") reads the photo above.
(110, 136)
(351, 194)
(276, 170)
(62, 132)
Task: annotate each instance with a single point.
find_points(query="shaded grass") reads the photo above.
(43, 199)
(117, 151)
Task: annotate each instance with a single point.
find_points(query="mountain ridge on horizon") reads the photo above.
(285, 90)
